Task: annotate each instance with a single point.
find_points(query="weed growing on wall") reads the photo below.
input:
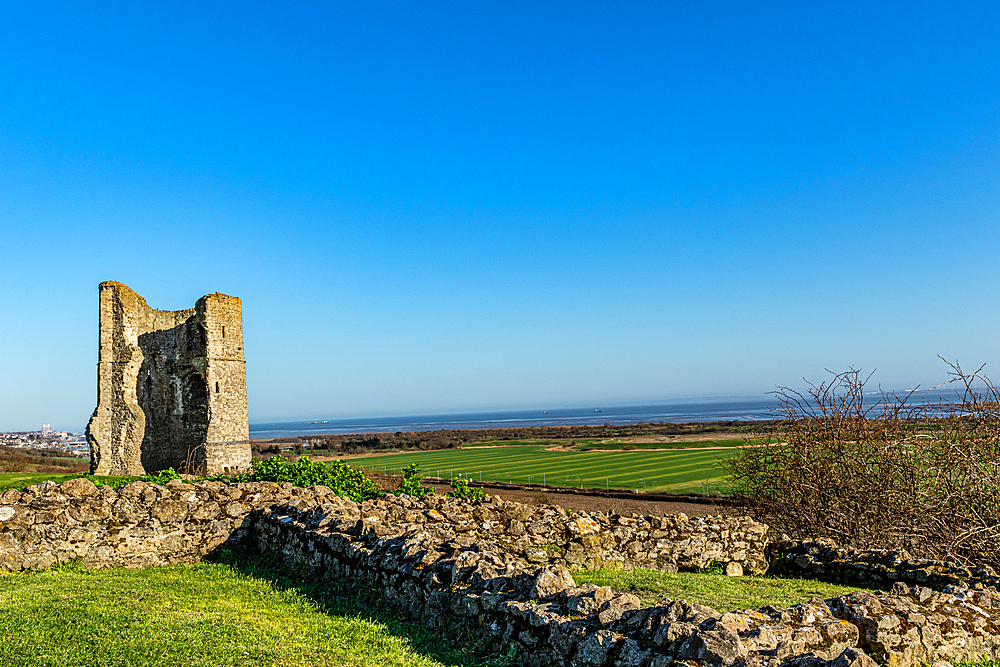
(460, 489)
(894, 475)
(340, 477)
(412, 484)
(161, 477)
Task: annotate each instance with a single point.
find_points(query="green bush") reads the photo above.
(460, 489)
(340, 477)
(161, 477)
(411, 484)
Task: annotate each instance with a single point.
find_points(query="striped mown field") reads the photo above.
(682, 471)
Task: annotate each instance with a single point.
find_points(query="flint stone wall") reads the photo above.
(582, 539)
(872, 568)
(144, 524)
(138, 525)
(463, 568)
(471, 588)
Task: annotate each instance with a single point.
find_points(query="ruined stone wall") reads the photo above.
(471, 589)
(106, 527)
(552, 535)
(171, 387)
(456, 567)
(138, 525)
(872, 568)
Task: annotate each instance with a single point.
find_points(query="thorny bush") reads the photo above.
(887, 473)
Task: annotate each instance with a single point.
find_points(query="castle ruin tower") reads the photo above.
(171, 387)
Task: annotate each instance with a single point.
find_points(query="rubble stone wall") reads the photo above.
(147, 524)
(872, 568)
(471, 589)
(576, 540)
(466, 569)
(138, 525)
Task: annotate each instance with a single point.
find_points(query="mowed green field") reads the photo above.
(684, 471)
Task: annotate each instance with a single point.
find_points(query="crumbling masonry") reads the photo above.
(171, 387)
(457, 568)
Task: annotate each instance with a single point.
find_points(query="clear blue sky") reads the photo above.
(442, 207)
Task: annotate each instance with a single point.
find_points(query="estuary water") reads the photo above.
(689, 410)
(736, 408)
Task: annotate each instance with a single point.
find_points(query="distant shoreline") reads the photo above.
(740, 409)
(737, 410)
(665, 432)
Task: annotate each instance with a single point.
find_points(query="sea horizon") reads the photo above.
(709, 409)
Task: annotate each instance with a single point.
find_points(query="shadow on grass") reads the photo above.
(358, 600)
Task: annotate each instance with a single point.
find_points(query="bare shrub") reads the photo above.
(889, 473)
(36, 460)
(541, 499)
(385, 481)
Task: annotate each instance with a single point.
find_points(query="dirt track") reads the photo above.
(597, 503)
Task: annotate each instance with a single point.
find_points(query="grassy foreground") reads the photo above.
(222, 615)
(19, 480)
(263, 614)
(206, 614)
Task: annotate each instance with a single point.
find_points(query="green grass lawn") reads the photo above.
(68, 459)
(245, 612)
(714, 590)
(181, 615)
(526, 442)
(19, 480)
(249, 613)
(669, 471)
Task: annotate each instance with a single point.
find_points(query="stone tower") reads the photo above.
(171, 387)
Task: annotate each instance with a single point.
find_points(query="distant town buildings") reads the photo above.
(74, 444)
